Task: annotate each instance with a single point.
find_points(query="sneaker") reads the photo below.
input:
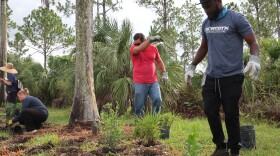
(220, 152)
(32, 132)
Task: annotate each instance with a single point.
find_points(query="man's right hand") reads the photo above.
(156, 38)
(189, 74)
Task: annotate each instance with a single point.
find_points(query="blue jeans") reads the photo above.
(141, 93)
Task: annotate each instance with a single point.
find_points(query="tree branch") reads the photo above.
(55, 49)
(34, 48)
(112, 7)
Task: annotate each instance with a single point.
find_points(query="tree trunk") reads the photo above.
(165, 14)
(84, 107)
(98, 13)
(3, 46)
(278, 18)
(104, 11)
(256, 4)
(45, 60)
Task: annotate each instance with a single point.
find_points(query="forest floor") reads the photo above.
(57, 138)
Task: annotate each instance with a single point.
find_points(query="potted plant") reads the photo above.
(147, 129)
(165, 122)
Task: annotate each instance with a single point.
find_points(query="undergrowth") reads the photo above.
(45, 139)
(112, 132)
(147, 128)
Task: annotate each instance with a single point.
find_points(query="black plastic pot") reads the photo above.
(17, 129)
(248, 137)
(165, 132)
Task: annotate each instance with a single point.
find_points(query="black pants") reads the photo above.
(32, 119)
(223, 92)
(12, 97)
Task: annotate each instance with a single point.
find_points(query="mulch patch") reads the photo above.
(3, 138)
(39, 149)
(190, 112)
(20, 140)
(69, 151)
(72, 139)
(151, 149)
(73, 142)
(16, 148)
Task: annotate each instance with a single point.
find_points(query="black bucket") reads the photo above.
(165, 132)
(248, 137)
(17, 129)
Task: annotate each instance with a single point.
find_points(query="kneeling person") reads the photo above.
(33, 113)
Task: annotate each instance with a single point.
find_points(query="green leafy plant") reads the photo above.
(128, 113)
(147, 128)
(193, 146)
(11, 109)
(112, 131)
(166, 119)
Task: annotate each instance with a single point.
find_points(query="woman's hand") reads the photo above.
(8, 83)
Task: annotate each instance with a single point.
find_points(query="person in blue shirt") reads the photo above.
(33, 113)
(10, 82)
(223, 33)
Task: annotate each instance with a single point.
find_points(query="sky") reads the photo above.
(140, 17)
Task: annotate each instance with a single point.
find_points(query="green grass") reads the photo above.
(88, 146)
(267, 137)
(42, 140)
(4, 134)
(2, 113)
(181, 129)
(56, 116)
(59, 116)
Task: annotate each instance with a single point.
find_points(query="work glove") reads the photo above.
(189, 74)
(253, 67)
(165, 77)
(156, 38)
(9, 122)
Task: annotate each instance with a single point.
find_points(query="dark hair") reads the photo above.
(139, 36)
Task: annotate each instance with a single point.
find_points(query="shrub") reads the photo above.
(166, 119)
(147, 128)
(112, 131)
(193, 146)
(11, 109)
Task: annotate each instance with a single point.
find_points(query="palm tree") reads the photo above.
(113, 68)
(112, 63)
